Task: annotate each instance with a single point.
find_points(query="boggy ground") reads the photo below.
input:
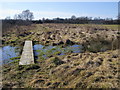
(56, 34)
(97, 67)
(82, 70)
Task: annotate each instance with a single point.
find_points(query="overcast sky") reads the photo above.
(60, 9)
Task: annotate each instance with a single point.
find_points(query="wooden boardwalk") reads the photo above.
(27, 56)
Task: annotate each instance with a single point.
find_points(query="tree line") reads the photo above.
(26, 18)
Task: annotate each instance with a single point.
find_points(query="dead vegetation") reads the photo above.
(56, 34)
(95, 68)
(83, 70)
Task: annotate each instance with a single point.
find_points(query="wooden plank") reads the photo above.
(27, 56)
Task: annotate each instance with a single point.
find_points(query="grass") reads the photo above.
(56, 61)
(51, 52)
(55, 73)
(14, 58)
(63, 71)
(38, 29)
(115, 27)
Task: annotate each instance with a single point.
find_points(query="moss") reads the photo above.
(15, 62)
(53, 49)
(41, 55)
(14, 58)
(57, 53)
(50, 52)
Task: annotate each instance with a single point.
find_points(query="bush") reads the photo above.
(100, 45)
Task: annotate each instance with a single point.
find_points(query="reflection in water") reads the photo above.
(8, 52)
(46, 51)
(0, 55)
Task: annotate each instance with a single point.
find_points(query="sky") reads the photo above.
(60, 9)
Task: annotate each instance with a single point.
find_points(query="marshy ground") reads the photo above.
(96, 67)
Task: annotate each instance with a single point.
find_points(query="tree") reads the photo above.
(73, 17)
(119, 15)
(8, 18)
(25, 15)
(15, 16)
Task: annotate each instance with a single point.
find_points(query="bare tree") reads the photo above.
(15, 16)
(25, 15)
(8, 18)
(73, 17)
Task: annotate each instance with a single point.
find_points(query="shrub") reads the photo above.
(100, 45)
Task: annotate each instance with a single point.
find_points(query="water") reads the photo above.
(0, 55)
(46, 51)
(8, 52)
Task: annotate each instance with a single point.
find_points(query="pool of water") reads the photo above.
(46, 51)
(9, 52)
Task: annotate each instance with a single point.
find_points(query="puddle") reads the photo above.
(9, 53)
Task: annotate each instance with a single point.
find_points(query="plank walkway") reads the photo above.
(27, 56)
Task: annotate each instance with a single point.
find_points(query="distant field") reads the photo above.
(115, 27)
(111, 26)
